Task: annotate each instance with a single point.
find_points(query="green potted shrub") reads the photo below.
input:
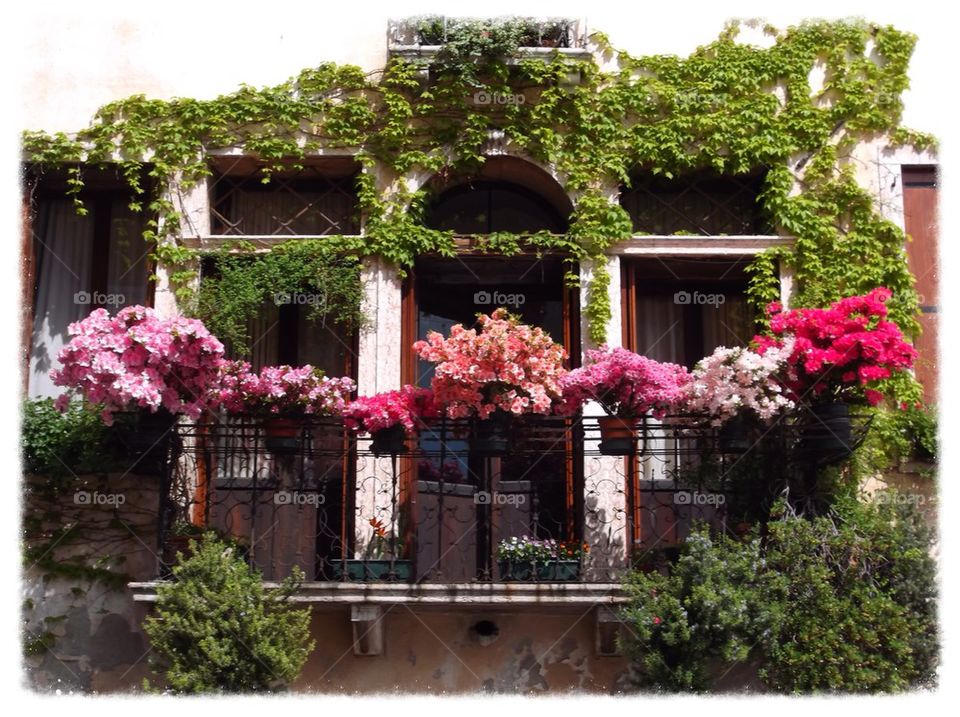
(217, 628)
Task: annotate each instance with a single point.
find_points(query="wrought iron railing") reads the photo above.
(323, 501)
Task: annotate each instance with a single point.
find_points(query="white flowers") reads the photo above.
(731, 380)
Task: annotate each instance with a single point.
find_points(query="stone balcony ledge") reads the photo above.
(505, 594)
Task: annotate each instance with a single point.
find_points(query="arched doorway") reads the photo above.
(537, 493)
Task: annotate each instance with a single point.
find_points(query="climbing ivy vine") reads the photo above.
(730, 106)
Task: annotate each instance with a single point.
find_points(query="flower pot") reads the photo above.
(511, 570)
(552, 571)
(380, 570)
(389, 441)
(618, 436)
(282, 435)
(147, 440)
(491, 436)
(734, 435)
(825, 435)
(559, 571)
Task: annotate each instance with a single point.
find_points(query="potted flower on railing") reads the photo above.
(737, 389)
(627, 386)
(525, 559)
(138, 362)
(390, 417)
(382, 558)
(840, 355)
(505, 369)
(282, 397)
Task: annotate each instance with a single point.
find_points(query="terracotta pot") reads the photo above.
(389, 441)
(282, 435)
(618, 436)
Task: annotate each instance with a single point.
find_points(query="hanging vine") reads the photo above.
(729, 106)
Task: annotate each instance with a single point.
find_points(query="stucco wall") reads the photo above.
(432, 651)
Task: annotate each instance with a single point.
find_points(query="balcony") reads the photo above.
(435, 514)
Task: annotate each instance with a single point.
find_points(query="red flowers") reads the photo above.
(842, 351)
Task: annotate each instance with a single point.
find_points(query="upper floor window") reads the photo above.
(483, 207)
(317, 199)
(702, 203)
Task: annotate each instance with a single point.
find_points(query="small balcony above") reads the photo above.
(423, 37)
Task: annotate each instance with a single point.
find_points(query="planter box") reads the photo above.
(556, 571)
(374, 570)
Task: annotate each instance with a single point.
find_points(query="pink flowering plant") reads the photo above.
(408, 407)
(506, 366)
(138, 360)
(840, 353)
(738, 381)
(288, 391)
(625, 384)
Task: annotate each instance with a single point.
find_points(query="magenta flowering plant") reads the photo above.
(287, 391)
(839, 353)
(625, 384)
(506, 366)
(138, 360)
(408, 407)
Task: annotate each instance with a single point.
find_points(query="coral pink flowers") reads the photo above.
(506, 366)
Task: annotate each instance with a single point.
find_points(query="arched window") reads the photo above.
(484, 206)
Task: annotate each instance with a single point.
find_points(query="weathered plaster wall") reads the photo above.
(434, 651)
(96, 643)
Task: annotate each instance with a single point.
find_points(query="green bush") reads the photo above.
(839, 603)
(216, 628)
(683, 624)
(62, 444)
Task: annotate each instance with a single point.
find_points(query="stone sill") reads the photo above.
(680, 245)
(474, 594)
(427, 52)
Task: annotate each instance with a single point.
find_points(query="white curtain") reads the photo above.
(660, 328)
(729, 324)
(127, 263)
(64, 250)
(64, 245)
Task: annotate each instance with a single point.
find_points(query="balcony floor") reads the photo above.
(499, 594)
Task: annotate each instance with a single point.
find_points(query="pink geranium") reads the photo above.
(137, 360)
(282, 391)
(408, 407)
(506, 366)
(624, 383)
(841, 352)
